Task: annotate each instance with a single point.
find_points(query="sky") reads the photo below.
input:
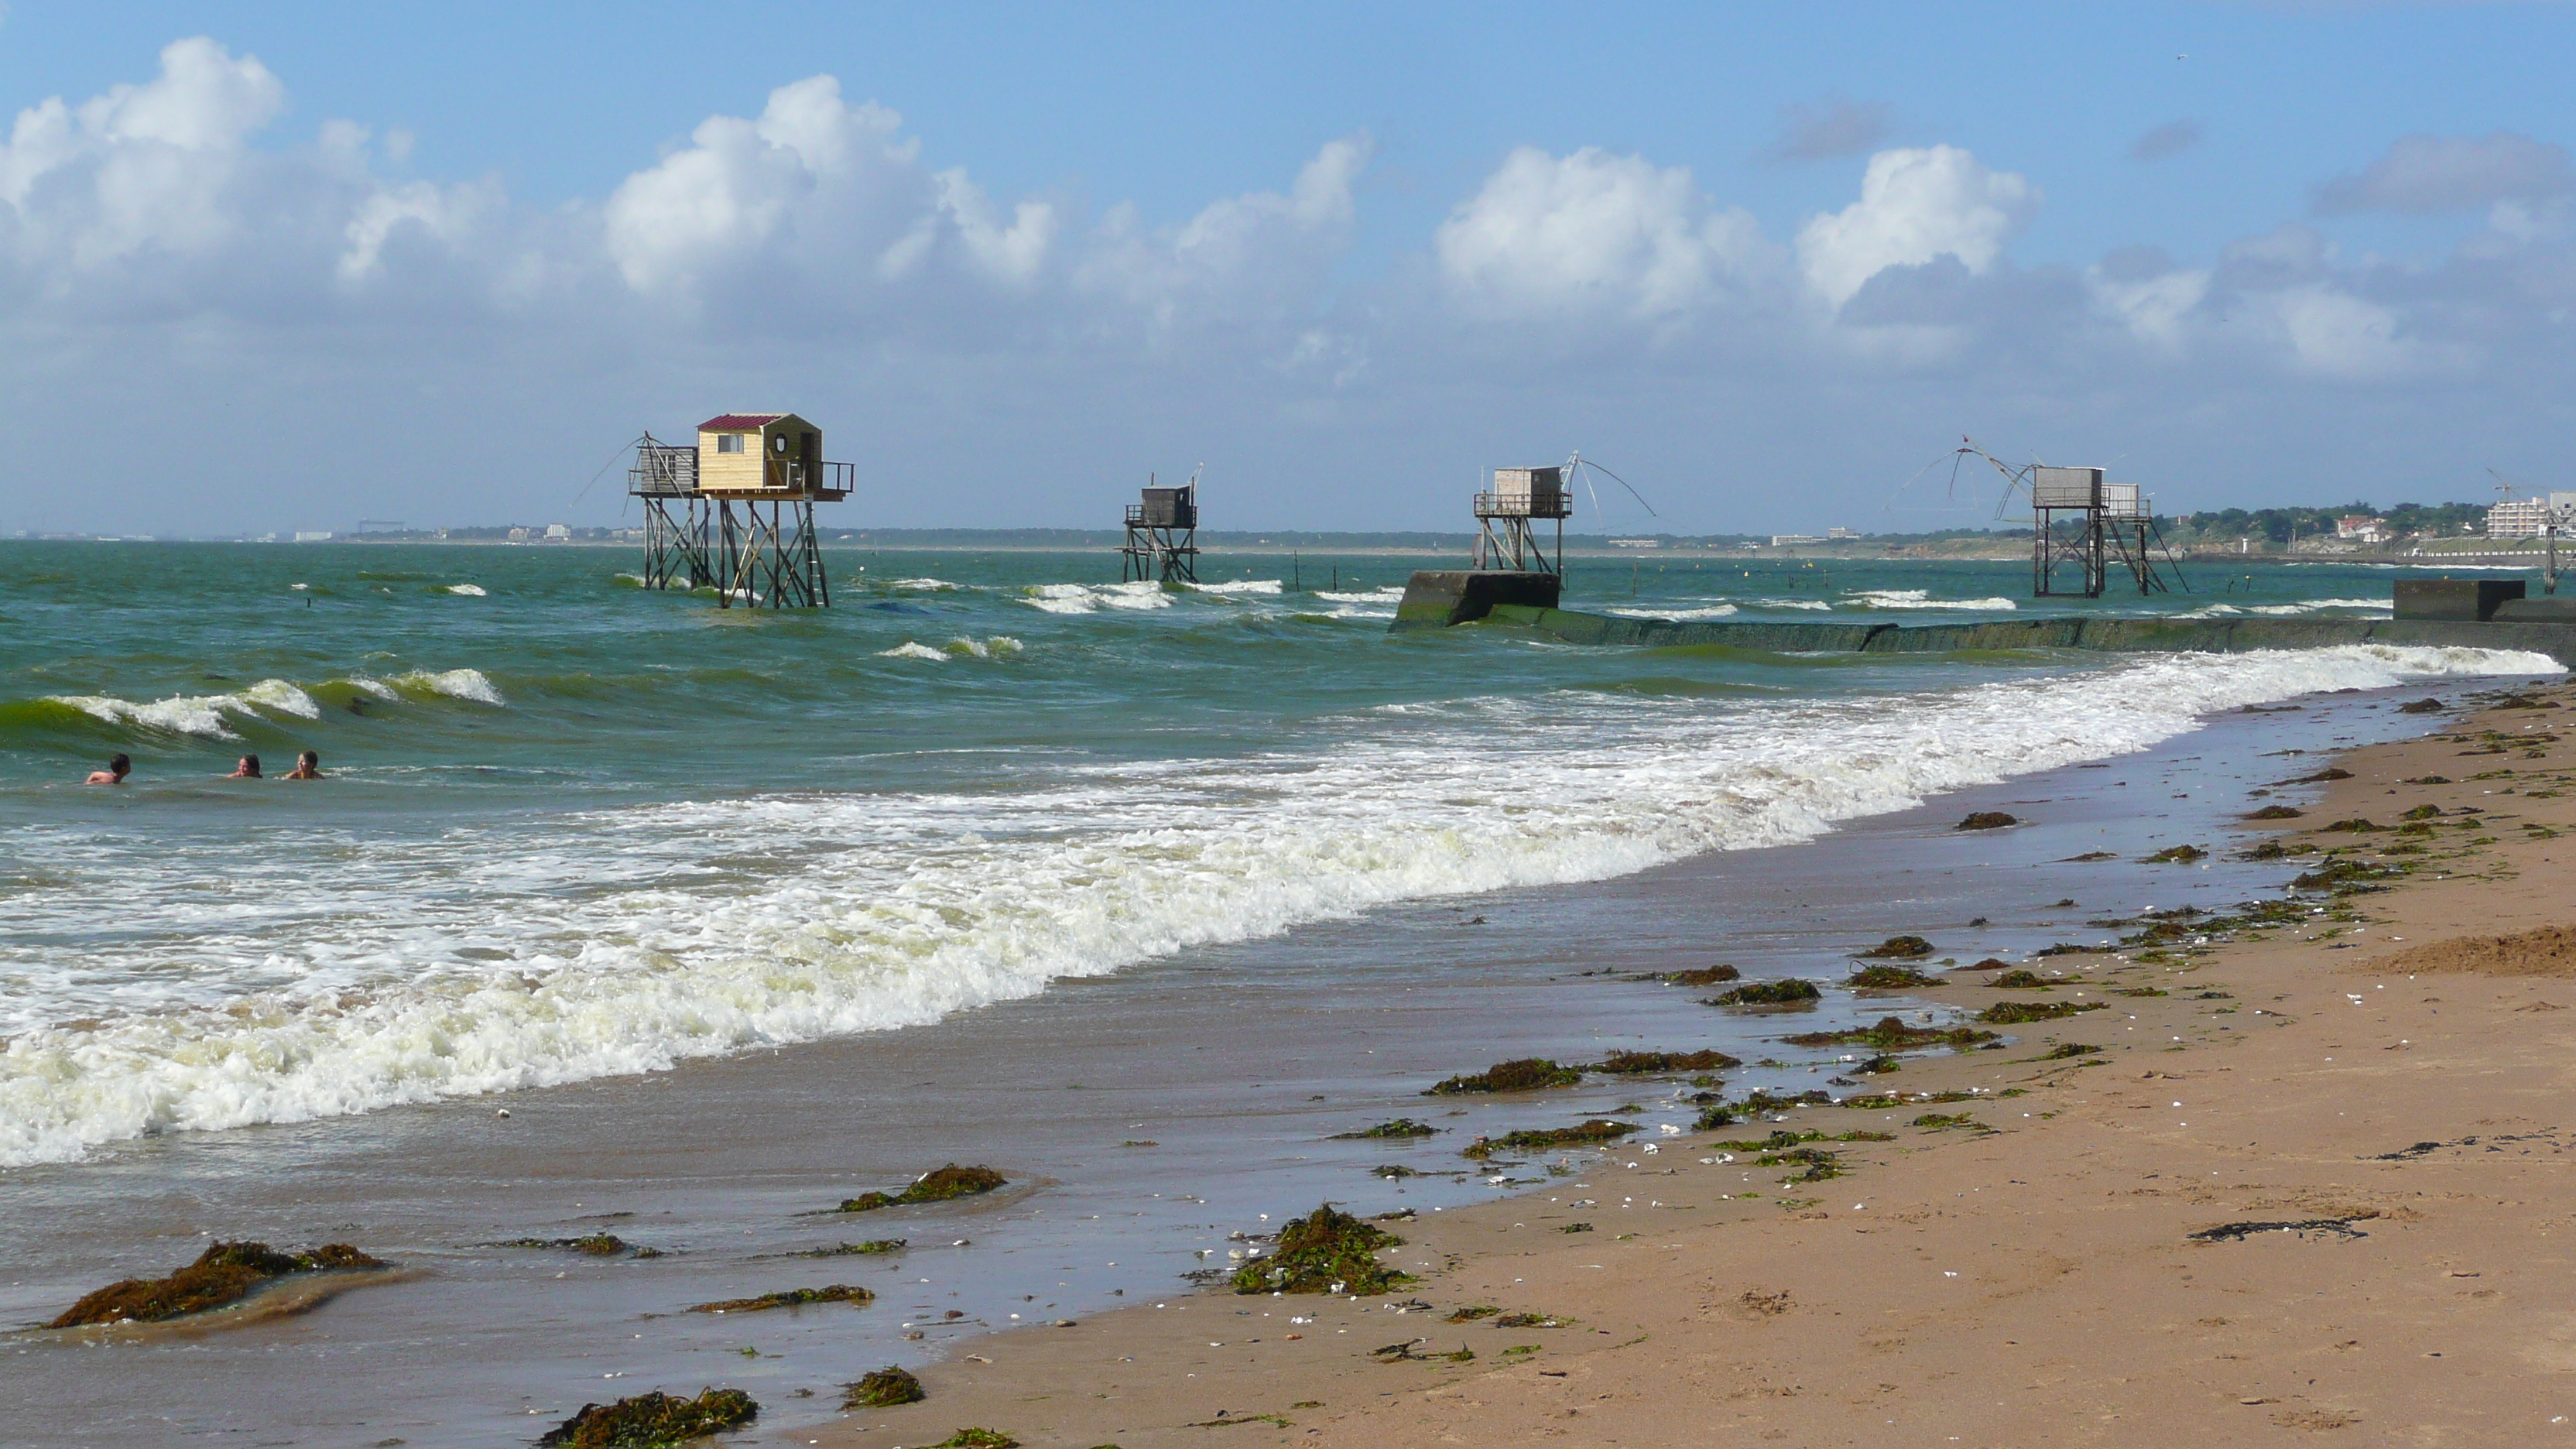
(292, 266)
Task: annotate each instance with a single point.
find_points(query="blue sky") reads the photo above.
(1344, 255)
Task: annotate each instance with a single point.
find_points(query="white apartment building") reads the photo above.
(2524, 517)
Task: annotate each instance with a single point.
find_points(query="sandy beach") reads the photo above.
(2306, 1184)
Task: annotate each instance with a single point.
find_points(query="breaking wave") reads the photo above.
(1091, 598)
(531, 952)
(1921, 599)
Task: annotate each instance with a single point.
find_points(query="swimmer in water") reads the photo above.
(308, 766)
(248, 769)
(114, 774)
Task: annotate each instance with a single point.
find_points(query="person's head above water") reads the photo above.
(117, 768)
(308, 766)
(248, 769)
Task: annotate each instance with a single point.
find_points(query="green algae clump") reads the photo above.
(224, 1273)
(652, 1421)
(938, 1185)
(1626, 1063)
(2016, 1013)
(1792, 992)
(1704, 976)
(1898, 948)
(1325, 1251)
(790, 1298)
(1584, 1134)
(2178, 855)
(2021, 981)
(1400, 1127)
(972, 1438)
(1526, 1074)
(1887, 978)
(883, 1389)
(1890, 1034)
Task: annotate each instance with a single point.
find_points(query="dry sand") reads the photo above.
(2394, 1084)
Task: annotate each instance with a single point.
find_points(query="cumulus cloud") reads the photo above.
(1915, 206)
(1258, 256)
(1839, 126)
(2430, 175)
(2170, 139)
(1593, 233)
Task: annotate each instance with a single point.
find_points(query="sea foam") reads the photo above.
(624, 940)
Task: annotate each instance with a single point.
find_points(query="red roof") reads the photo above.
(739, 422)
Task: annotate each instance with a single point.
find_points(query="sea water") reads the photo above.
(574, 834)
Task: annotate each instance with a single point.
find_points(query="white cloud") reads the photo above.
(1262, 255)
(1594, 234)
(2335, 334)
(2429, 175)
(1915, 206)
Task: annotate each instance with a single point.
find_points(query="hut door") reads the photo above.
(809, 453)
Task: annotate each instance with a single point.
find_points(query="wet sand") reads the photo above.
(2031, 1275)
(1235, 1064)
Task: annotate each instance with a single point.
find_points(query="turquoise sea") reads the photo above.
(572, 829)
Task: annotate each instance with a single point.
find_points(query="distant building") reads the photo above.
(1832, 533)
(558, 533)
(2526, 517)
(1783, 540)
(1636, 543)
(2360, 527)
(518, 535)
(324, 536)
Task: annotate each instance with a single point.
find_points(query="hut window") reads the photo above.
(729, 442)
(779, 443)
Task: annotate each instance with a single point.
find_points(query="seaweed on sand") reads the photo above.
(2067, 1052)
(974, 1438)
(1582, 1134)
(1887, 978)
(2176, 855)
(2021, 980)
(1792, 992)
(938, 1185)
(1525, 1074)
(882, 1389)
(1815, 1164)
(1400, 1127)
(224, 1273)
(652, 1421)
(1704, 976)
(1325, 1251)
(1898, 948)
(1626, 1063)
(872, 1248)
(789, 1298)
(2276, 812)
(597, 1245)
(2016, 1013)
(1985, 820)
(1891, 1034)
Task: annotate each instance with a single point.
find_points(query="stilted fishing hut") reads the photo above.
(1505, 539)
(735, 512)
(1162, 535)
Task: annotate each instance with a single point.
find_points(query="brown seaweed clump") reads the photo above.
(1990, 963)
(1629, 1064)
(2276, 812)
(2021, 980)
(938, 1185)
(1898, 948)
(1582, 1134)
(1792, 992)
(882, 1389)
(1890, 1034)
(1886, 978)
(1985, 820)
(224, 1273)
(2015, 1013)
(1527, 1074)
(1323, 1252)
(973, 1438)
(2177, 855)
(789, 1298)
(1400, 1127)
(652, 1421)
(1704, 976)
(2357, 825)
(2421, 706)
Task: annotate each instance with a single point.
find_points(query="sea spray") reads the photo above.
(624, 940)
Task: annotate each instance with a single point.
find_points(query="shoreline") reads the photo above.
(2027, 1276)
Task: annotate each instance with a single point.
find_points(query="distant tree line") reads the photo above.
(2279, 525)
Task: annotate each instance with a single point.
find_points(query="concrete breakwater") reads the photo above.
(2123, 635)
